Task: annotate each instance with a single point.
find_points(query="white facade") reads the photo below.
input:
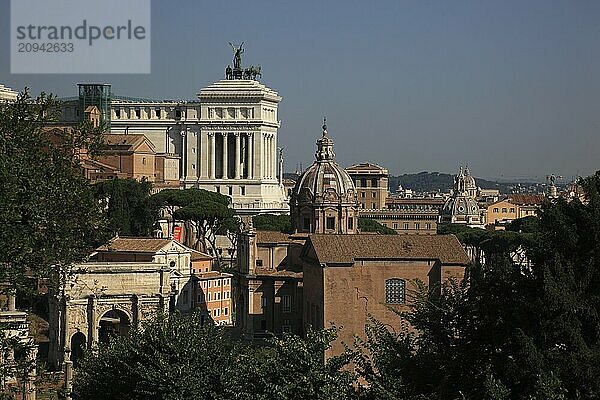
(7, 94)
(227, 140)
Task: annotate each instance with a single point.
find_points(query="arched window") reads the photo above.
(394, 291)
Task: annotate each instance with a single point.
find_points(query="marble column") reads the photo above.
(211, 156)
(250, 156)
(225, 172)
(237, 155)
(184, 157)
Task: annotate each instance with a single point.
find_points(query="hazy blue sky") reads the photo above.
(510, 87)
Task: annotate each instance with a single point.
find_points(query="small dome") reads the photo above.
(461, 206)
(325, 179)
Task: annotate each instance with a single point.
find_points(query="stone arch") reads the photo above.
(114, 322)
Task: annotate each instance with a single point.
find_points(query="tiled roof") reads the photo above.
(526, 199)
(200, 256)
(135, 244)
(272, 237)
(348, 248)
(129, 141)
(367, 166)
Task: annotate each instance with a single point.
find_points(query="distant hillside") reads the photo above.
(436, 181)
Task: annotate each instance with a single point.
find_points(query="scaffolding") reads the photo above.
(95, 94)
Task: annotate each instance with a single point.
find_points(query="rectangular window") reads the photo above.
(157, 111)
(395, 225)
(374, 205)
(374, 183)
(394, 291)
(503, 210)
(512, 210)
(138, 113)
(225, 311)
(178, 113)
(350, 223)
(218, 189)
(263, 302)
(242, 190)
(374, 194)
(428, 226)
(417, 226)
(330, 222)
(405, 226)
(230, 190)
(496, 209)
(286, 303)
(218, 295)
(363, 182)
(362, 194)
(208, 296)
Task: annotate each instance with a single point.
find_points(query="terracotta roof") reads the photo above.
(130, 141)
(135, 244)
(272, 237)
(526, 199)
(367, 166)
(348, 248)
(200, 256)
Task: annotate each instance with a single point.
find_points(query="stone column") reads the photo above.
(65, 333)
(237, 155)
(184, 157)
(92, 327)
(225, 155)
(211, 157)
(250, 156)
(203, 149)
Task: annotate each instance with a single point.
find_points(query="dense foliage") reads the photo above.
(370, 225)
(507, 331)
(127, 205)
(49, 217)
(178, 358)
(272, 222)
(206, 214)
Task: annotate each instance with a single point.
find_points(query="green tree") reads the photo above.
(272, 222)
(506, 331)
(206, 214)
(370, 225)
(179, 358)
(128, 207)
(49, 218)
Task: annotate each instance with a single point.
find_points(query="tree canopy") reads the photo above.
(272, 222)
(179, 358)
(49, 216)
(370, 225)
(127, 206)
(207, 214)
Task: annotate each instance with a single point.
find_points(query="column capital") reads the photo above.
(210, 134)
(236, 134)
(224, 133)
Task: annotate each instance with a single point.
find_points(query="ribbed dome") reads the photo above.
(324, 180)
(461, 206)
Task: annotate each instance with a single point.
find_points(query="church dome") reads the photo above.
(461, 207)
(325, 179)
(324, 199)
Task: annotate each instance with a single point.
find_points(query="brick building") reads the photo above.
(348, 278)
